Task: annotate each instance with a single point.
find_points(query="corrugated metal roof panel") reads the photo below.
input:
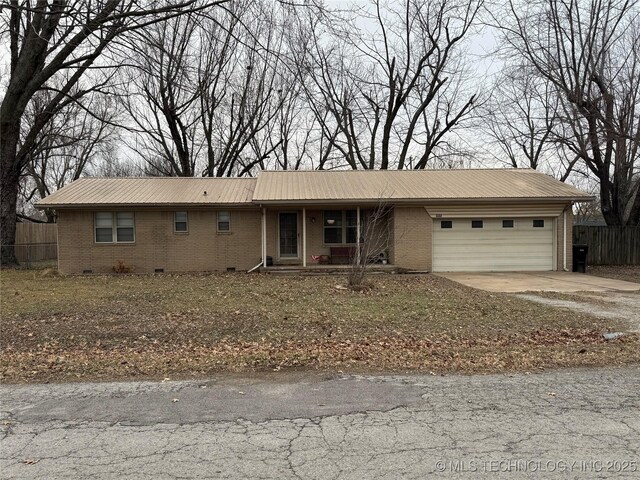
(408, 185)
(152, 191)
(317, 187)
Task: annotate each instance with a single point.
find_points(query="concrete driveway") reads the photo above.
(516, 282)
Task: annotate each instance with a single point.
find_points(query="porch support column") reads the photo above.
(264, 237)
(304, 237)
(358, 233)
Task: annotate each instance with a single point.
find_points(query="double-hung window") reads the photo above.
(224, 222)
(104, 227)
(180, 222)
(114, 227)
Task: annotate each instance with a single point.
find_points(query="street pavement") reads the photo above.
(559, 424)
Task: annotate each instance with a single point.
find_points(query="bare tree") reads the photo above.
(162, 96)
(588, 51)
(381, 96)
(372, 245)
(209, 91)
(242, 89)
(57, 39)
(76, 138)
(524, 120)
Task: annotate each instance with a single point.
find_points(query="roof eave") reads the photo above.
(370, 201)
(85, 206)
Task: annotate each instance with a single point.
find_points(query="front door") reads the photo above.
(288, 233)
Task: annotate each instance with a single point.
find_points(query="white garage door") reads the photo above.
(492, 245)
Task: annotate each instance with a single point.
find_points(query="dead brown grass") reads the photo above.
(630, 273)
(105, 327)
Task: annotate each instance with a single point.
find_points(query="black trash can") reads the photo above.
(580, 258)
(269, 261)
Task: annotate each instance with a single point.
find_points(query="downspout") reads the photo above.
(263, 243)
(564, 240)
(358, 234)
(264, 236)
(304, 237)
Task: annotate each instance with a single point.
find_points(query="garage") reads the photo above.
(493, 244)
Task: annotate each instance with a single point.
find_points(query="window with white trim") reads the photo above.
(180, 222)
(104, 227)
(224, 221)
(114, 227)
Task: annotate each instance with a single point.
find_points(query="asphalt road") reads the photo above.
(565, 424)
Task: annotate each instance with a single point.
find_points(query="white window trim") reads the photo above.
(228, 212)
(114, 229)
(175, 230)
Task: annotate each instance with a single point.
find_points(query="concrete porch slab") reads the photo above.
(514, 282)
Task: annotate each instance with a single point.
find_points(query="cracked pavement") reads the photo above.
(556, 424)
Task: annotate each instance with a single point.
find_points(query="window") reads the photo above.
(122, 222)
(124, 227)
(104, 227)
(538, 223)
(446, 224)
(180, 222)
(477, 224)
(224, 222)
(507, 223)
(340, 226)
(352, 225)
(333, 226)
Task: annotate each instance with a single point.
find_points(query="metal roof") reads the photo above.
(317, 187)
(150, 191)
(410, 186)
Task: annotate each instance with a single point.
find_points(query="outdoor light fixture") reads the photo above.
(313, 219)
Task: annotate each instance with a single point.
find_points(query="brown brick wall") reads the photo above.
(204, 249)
(315, 234)
(412, 229)
(157, 246)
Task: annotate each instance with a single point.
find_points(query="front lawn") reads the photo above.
(105, 327)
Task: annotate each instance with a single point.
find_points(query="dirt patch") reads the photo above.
(621, 306)
(105, 327)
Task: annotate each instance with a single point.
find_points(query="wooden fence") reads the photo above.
(36, 242)
(609, 245)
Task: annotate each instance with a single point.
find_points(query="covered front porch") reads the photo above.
(325, 238)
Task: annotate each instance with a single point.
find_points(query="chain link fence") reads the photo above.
(34, 255)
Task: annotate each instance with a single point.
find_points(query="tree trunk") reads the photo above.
(634, 216)
(9, 181)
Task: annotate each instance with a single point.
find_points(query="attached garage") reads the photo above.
(493, 244)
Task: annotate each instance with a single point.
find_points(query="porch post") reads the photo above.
(358, 235)
(264, 237)
(304, 237)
